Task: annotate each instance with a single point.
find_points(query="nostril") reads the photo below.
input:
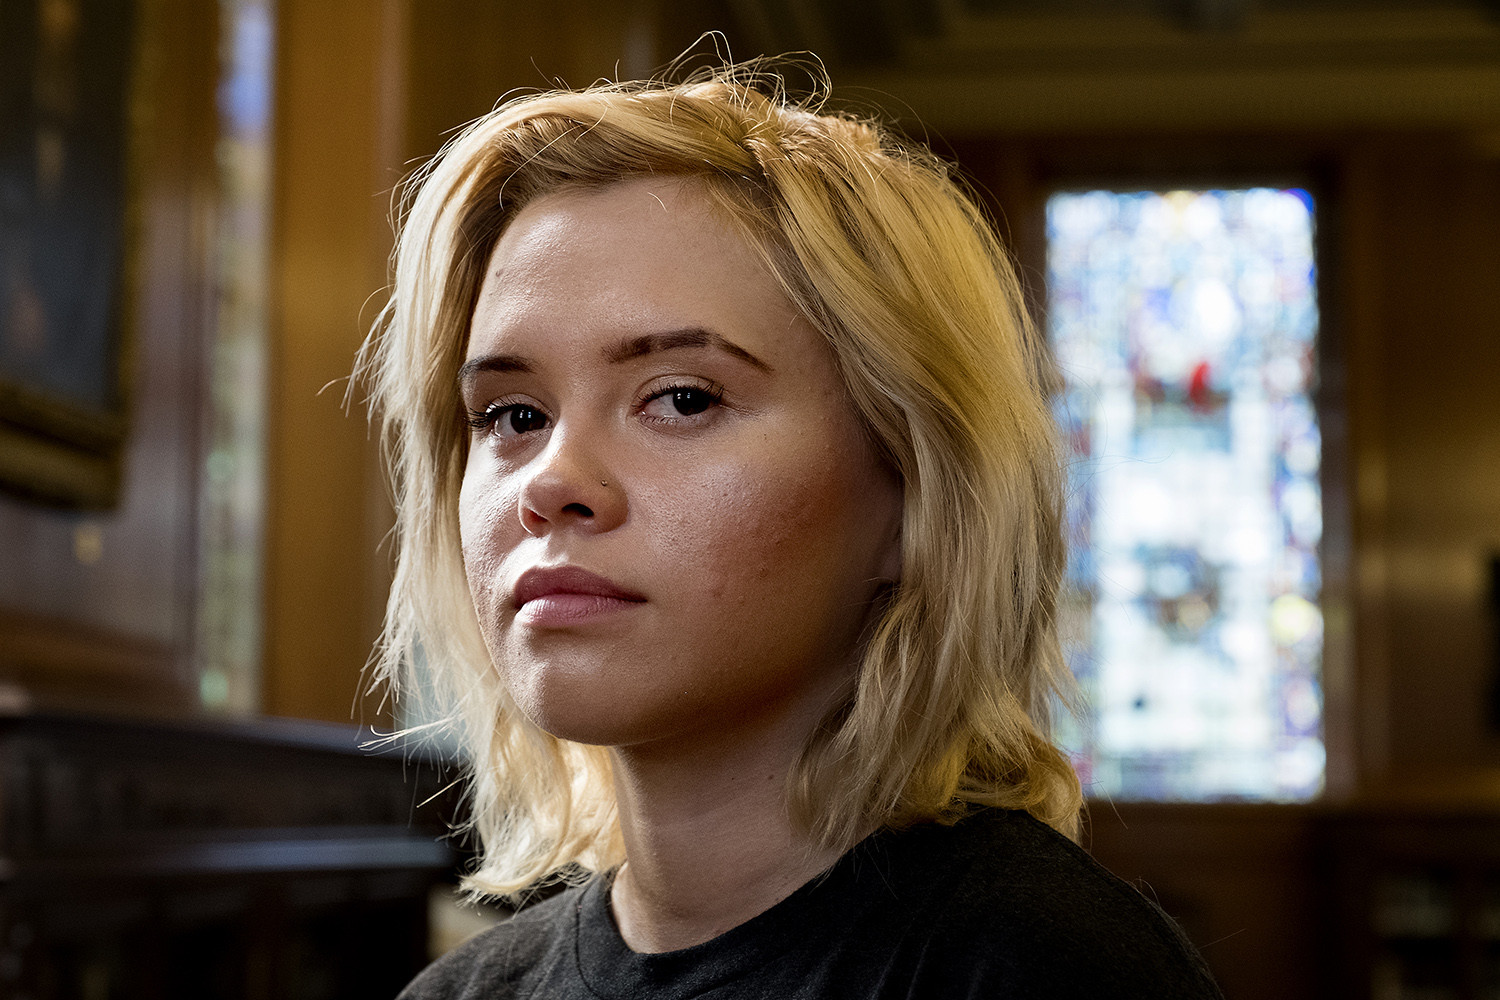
(579, 509)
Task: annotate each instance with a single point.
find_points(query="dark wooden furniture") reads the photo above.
(270, 859)
(1421, 903)
(1377, 900)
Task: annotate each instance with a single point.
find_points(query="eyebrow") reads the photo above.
(492, 363)
(626, 350)
(652, 343)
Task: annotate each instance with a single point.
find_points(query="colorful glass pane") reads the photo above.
(1184, 324)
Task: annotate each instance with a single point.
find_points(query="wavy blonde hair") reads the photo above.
(897, 267)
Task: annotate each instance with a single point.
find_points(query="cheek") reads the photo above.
(486, 513)
(756, 537)
(761, 530)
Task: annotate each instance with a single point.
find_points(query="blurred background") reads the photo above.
(1263, 237)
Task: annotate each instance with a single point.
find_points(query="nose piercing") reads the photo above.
(603, 482)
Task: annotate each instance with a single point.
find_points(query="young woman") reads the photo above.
(729, 520)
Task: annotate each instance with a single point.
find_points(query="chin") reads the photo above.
(594, 730)
(587, 713)
(568, 722)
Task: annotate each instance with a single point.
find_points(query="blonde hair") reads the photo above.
(888, 258)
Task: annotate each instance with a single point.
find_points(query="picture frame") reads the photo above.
(66, 127)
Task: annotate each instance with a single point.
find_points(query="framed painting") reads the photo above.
(65, 127)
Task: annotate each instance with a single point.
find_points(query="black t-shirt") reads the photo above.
(998, 905)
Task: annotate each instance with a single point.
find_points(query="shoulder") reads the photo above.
(1025, 906)
(496, 963)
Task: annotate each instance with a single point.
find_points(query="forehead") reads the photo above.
(640, 252)
(643, 216)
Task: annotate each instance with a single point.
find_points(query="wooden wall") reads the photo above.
(1424, 271)
(364, 91)
(96, 608)
(337, 154)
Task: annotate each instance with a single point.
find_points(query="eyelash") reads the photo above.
(485, 419)
(712, 390)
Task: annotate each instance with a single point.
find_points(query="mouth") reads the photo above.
(568, 595)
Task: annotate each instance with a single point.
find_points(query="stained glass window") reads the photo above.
(232, 501)
(1184, 324)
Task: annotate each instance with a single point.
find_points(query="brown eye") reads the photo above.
(508, 421)
(690, 401)
(678, 403)
(524, 419)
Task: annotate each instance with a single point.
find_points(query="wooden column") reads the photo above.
(338, 105)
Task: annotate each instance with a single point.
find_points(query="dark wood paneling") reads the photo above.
(1438, 230)
(1363, 901)
(68, 581)
(1242, 880)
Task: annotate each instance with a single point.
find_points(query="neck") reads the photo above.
(708, 841)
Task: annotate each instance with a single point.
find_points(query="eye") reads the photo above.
(679, 401)
(690, 401)
(524, 419)
(508, 419)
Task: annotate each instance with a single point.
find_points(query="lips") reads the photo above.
(566, 595)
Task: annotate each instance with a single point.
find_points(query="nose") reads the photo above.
(568, 486)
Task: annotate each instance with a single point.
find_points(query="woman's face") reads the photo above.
(672, 523)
